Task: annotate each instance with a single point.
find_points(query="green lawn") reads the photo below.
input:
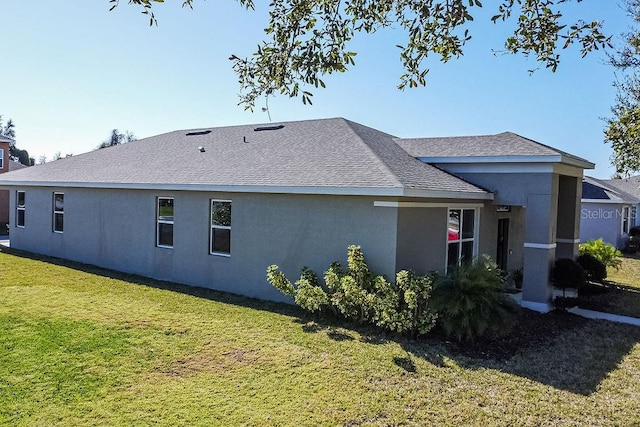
(623, 290)
(84, 346)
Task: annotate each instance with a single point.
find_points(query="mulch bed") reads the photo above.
(531, 329)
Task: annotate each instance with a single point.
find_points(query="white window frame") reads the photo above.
(625, 224)
(22, 208)
(460, 240)
(164, 221)
(221, 227)
(58, 212)
(1, 158)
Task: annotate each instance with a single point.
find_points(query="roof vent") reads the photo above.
(201, 149)
(261, 128)
(200, 132)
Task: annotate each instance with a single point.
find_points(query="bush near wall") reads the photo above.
(470, 300)
(603, 252)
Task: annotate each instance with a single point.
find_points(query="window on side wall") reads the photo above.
(1, 158)
(164, 222)
(626, 215)
(58, 212)
(461, 236)
(20, 208)
(220, 234)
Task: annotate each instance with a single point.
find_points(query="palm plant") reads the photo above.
(470, 301)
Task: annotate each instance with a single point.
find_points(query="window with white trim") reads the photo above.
(461, 235)
(626, 219)
(164, 222)
(1, 158)
(58, 212)
(220, 235)
(20, 208)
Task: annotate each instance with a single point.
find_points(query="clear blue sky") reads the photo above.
(71, 71)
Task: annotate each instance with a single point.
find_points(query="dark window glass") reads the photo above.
(58, 222)
(20, 218)
(452, 254)
(21, 199)
(467, 252)
(58, 212)
(468, 217)
(165, 234)
(221, 240)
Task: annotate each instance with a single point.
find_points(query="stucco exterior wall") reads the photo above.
(510, 188)
(116, 229)
(601, 220)
(422, 239)
(489, 234)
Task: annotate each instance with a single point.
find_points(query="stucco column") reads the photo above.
(539, 249)
(569, 205)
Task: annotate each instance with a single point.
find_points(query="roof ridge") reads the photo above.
(373, 154)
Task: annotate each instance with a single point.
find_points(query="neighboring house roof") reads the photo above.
(596, 190)
(6, 139)
(630, 185)
(14, 166)
(502, 147)
(327, 156)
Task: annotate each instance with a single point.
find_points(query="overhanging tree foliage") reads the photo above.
(117, 138)
(308, 39)
(623, 129)
(21, 156)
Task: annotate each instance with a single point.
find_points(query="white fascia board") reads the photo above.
(337, 191)
(498, 167)
(514, 163)
(386, 204)
(447, 194)
(582, 164)
(555, 158)
(602, 201)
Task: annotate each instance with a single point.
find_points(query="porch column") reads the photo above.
(539, 249)
(569, 206)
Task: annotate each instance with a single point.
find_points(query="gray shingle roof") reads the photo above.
(503, 145)
(629, 185)
(318, 156)
(596, 189)
(14, 166)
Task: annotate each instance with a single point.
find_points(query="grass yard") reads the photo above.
(623, 290)
(629, 272)
(84, 346)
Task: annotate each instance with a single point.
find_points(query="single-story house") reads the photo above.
(607, 212)
(214, 207)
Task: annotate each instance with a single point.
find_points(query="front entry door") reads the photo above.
(502, 252)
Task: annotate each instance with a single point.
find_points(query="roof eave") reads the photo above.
(555, 158)
(320, 190)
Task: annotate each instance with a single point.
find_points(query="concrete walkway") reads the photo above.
(4, 241)
(590, 314)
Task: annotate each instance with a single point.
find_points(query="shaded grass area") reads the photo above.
(85, 346)
(621, 293)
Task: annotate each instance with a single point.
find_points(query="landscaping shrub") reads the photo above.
(470, 301)
(359, 296)
(306, 292)
(602, 251)
(567, 273)
(594, 269)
